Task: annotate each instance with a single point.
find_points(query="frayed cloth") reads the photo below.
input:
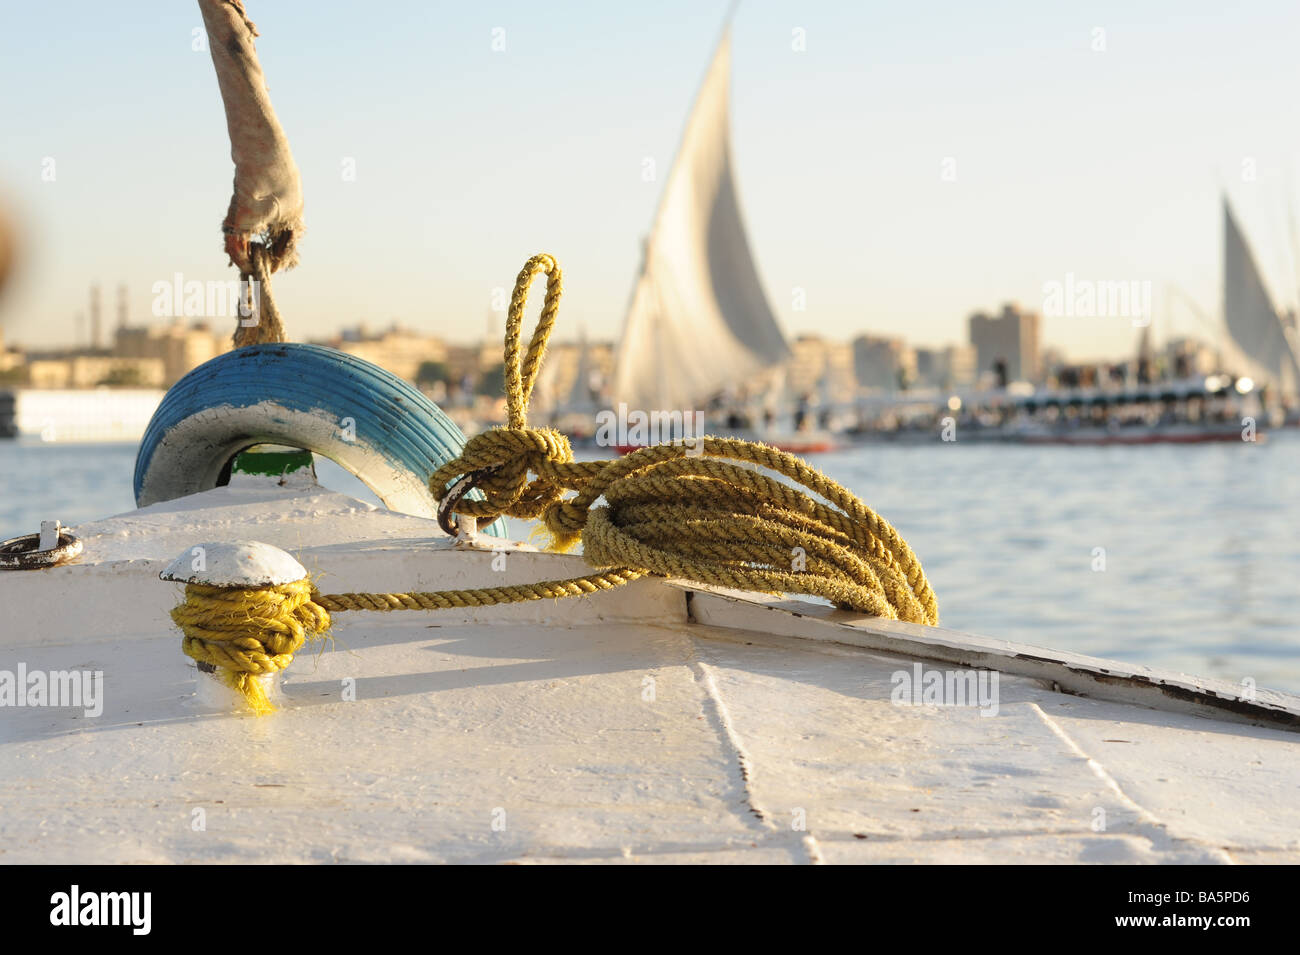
(266, 207)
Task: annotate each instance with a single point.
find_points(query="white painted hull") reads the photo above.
(657, 723)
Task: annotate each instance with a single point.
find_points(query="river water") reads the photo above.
(1186, 557)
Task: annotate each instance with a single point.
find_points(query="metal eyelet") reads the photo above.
(462, 486)
(20, 553)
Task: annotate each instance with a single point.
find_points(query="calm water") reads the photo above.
(1200, 543)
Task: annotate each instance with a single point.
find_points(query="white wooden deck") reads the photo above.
(639, 725)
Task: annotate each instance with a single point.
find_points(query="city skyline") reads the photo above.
(953, 190)
(1003, 346)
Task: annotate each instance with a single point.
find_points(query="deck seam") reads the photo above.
(1149, 819)
(807, 848)
(721, 718)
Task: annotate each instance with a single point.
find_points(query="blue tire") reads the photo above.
(366, 419)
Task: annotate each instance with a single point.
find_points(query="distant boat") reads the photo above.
(1266, 343)
(581, 399)
(575, 413)
(88, 415)
(1180, 433)
(699, 323)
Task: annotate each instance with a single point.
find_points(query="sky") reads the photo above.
(910, 164)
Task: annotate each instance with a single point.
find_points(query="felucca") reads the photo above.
(652, 716)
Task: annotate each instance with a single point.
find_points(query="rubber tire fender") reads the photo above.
(366, 419)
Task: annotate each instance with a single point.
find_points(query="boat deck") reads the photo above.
(657, 723)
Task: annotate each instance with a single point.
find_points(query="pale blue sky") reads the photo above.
(1104, 164)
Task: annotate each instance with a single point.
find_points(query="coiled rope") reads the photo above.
(697, 510)
(243, 633)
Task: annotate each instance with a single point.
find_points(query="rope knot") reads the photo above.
(566, 521)
(504, 459)
(511, 447)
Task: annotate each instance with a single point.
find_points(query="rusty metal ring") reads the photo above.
(462, 486)
(20, 553)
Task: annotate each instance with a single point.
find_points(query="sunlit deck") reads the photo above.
(656, 723)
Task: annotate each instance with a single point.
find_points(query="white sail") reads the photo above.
(1248, 311)
(698, 322)
(580, 392)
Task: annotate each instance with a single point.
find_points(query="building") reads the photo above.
(179, 347)
(92, 371)
(398, 349)
(465, 364)
(13, 362)
(820, 367)
(883, 364)
(1010, 339)
(946, 368)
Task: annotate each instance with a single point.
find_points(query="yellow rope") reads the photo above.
(697, 511)
(245, 632)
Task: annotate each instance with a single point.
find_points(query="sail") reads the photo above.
(698, 322)
(1248, 311)
(580, 393)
